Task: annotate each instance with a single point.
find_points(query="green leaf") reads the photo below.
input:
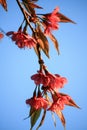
(54, 40)
(42, 41)
(34, 117)
(42, 120)
(32, 110)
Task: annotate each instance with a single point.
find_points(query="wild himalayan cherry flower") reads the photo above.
(37, 102)
(52, 82)
(51, 21)
(21, 39)
(1, 35)
(56, 81)
(59, 102)
(40, 78)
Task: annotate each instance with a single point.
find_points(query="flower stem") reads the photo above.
(41, 62)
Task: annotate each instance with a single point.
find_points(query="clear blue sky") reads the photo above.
(16, 67)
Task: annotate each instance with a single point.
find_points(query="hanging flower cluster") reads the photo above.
(49, 84)
(46, 95)
(22, 39)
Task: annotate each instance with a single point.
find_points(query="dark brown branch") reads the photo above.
(25, 14)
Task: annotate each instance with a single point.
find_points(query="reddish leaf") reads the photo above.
(42, 41)
(64, 18)
(4, 4)
(54, 40)
(60, 115)
(29, 5)
(34, 117)
(29, 8)
(34, 5)
(1, 35)
(70, 101)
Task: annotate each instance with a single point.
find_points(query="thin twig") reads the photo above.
(25, 15)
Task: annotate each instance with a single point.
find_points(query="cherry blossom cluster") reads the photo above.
(22, 39)
(48, 83)
(46, 95)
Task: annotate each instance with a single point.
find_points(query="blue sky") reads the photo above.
(16, 67)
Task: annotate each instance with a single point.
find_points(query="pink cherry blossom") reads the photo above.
(21, 39)
(49, 27)
(37, 102)
(59, 102)
(51, 21)
(40, 78)
(56, 81)
(53, 17)
(50, 82)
